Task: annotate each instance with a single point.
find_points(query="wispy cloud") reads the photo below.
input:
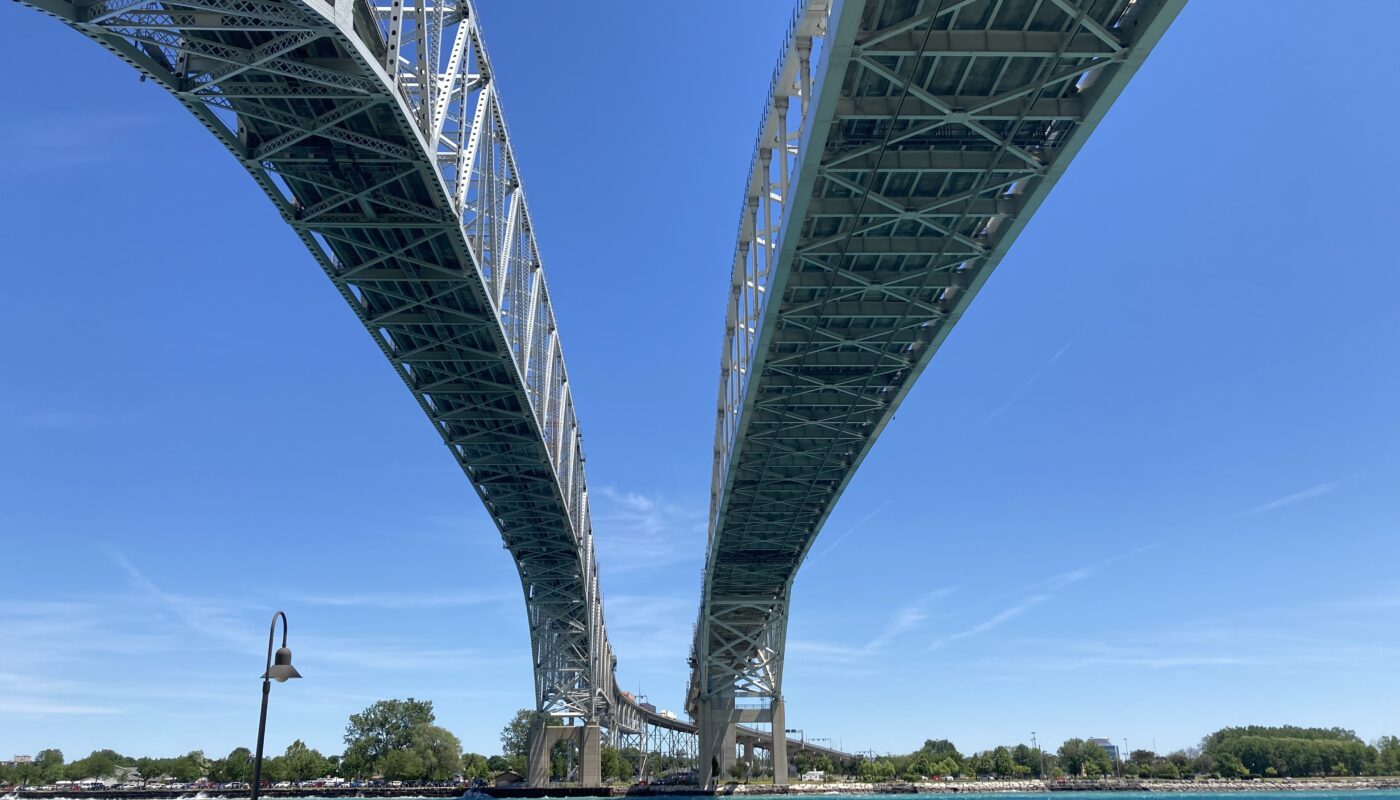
(1219, 643)
(1004, 616)
(1024, 387)
(212, 621)
(408, 600)
(1060, 580)
(1033, 595)
(654, 628)
(37, 708)
(636, 531)
(905, 620)
(860, 523)
(899, 627)
(1288, 500)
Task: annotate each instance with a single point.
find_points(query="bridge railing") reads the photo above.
(436, 58)
(777, 158)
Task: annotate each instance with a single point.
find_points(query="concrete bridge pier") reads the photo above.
(587, 738)
(779, 751)
(716, 731)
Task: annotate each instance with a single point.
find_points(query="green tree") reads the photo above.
(1001, 762)
(98, 764)
(739, 770)
(1387, 760)
(475, 766)
(236, 767)
(438, 750)
(1230, 766)
(515, 736)
(49, 764)
(1023, 756)
(382, 728)
(613, 766)
(189, 767)
(402, 765)
(301, 763)
(939, 749)
(1080, 758)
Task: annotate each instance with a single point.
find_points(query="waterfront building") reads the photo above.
(509, 778)
(23, 760)
(1108, 747)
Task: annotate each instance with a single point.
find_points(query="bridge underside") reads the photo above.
(377, 134)
(882, 196)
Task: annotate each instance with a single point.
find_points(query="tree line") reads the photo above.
(399, 740)
(1245, 752)
(390, 739)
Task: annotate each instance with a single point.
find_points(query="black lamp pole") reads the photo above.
(280, 672)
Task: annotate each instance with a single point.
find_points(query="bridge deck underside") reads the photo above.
(951, 123)
(428, 244)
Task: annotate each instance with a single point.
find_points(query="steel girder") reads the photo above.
(884, 190)
(378, 135)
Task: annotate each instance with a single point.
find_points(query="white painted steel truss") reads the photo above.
(888, 181)
(378, 134)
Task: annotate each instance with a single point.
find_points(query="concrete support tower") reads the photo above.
(587, 738)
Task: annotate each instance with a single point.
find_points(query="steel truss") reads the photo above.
(888, 181)
(378, 134)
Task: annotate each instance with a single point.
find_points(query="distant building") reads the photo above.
(122, 774)
(24, 759)
(509, 778)
(1108, 747)
(814, 776)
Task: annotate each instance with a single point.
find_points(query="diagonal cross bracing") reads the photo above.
(378, 135)
(928, 132)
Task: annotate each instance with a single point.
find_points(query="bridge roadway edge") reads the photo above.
(160, 73)
(1148, 27)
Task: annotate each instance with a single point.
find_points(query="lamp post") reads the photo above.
(1036, 746)
(278, 669)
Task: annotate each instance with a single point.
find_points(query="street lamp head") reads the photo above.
(282, 668)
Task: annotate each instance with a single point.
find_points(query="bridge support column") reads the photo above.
(542, 739)
(716, 733)
(537, 762)
(780, 760)
(587, 738)
(590, 755)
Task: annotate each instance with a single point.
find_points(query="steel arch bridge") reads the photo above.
(377, 133)
(905, 143)
(903, 146)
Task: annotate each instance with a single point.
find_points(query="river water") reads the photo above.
(1329, 794)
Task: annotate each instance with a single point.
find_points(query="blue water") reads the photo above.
(1313, 794)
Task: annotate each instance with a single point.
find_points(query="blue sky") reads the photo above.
(1148, 487)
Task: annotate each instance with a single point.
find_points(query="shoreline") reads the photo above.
(1111, 785)
(753, 789)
